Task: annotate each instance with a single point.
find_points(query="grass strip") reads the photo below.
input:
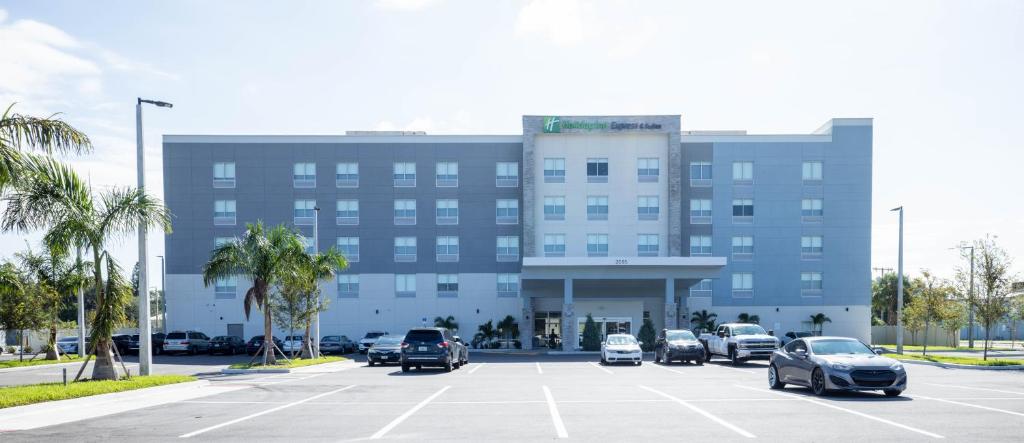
(29, 394)
(37, 362)
(295, 363)
(946, 348)
(957, 360)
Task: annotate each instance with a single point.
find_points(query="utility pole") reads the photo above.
(899, 290)
(970, 299)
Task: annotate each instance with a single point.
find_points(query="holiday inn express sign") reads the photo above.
(555, 124)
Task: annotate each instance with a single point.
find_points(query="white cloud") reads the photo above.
(460, 122)
(560, 21)
(405, 5)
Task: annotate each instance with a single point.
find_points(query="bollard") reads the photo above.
(65, 371)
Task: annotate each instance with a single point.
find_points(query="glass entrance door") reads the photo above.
(606, 325)
(547, 329)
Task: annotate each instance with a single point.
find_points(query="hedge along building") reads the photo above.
(621, 217)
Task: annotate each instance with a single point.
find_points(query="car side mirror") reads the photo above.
(641, 343)
(879, 351)
(800, 353)
(771, 332)
(721, 334)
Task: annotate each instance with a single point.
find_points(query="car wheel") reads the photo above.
(405, 368)
(733, 358)
(191, 351)
(657, 357)
(773, 378)
(818, 382)
(699, 361)
(369, 363)
(892, 392)
(639, 363)
(707, 354)
(418, 367)
(448, 365)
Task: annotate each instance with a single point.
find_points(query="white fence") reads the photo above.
(886, 335)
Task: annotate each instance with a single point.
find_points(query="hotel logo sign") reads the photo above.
(555, 124)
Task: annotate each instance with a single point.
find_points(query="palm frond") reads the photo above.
(49, 191)
(122, 209)
(48, 134)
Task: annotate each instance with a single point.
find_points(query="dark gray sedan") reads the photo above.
(835, 363)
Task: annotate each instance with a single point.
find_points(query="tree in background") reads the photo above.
(56, 277)
(993, 276)
(819, 320)
(485, 333)
(956, 320)
(913, 319)
(314, 268)
(703, 320)
(932, 303)
(647, 336)
(1014, 314)
(747, 318)
(591, 336)
(446, 322)
(509, 329)
(883, 295)
(19, 306)
(289, 305)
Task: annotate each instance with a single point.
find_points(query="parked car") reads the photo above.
(156, 344)
(464, 348)
(431, 347)
(739, 342)
(69, 345)
(793, 335)
(337, 344)
(191, 342)
(618, 348)
(387, 349)
(678, 344)
(122, 342)
(292, 343)
(256, 343)
(369, 339)
(835, 363)
(227, 344)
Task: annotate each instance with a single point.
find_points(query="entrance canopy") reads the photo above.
(556, 268)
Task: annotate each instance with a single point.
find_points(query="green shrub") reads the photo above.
(647, 335)
(591, 336)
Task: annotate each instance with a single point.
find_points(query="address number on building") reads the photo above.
(621, 261)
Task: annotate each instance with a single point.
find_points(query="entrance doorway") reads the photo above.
(547, 329)
(606, 325)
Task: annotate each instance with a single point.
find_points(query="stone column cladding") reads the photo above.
(526, 324)
(569, 335)
(671, 308)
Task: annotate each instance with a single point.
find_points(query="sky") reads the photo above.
(942, 80)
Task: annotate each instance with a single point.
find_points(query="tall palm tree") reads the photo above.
(263, 257)
(819, 320)
(315, 268)
(703, 320)
(21, 133)
(747, 318)
(57, 277)
(446, 322)
(508, 328)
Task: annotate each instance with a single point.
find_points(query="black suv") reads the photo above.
(432, 347)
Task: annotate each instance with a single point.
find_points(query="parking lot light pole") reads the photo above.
(899, 290)
(145, 337)
(316, 248)
(970, 301)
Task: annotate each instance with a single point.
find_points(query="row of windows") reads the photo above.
(647, 245)
(406, 248)
(506, 285)
(743, 285)
(647, 207)
(647, 169)
(347, 175)
(347, 212)
(743, 210)
(743, 245)
(743, 172)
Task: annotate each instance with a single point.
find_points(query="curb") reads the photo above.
(229, 371)
(310, 368)
(958, 366)
(26, 368)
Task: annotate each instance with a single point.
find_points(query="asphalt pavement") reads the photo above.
(540, 397)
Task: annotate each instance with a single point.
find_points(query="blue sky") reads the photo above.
(942, 79)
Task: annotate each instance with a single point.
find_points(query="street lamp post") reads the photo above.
(316, 248)
(970, 301)
(899, 290)
(145, 337)
(82, 351)
(163, 294)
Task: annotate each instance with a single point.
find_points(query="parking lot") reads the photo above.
(500, 397)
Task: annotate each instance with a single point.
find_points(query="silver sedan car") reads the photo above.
(835, 363)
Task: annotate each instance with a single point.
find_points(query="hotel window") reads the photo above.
(224, 212)
(405, 212)
(742, 246)
(507, 175)
(554, 208)
(554, 245)
(404, 175)
(700, 245)
(447, 249)
(347, 212)
(647, 245)
(743, 210)
(554, 170)
(508, 285)
(224, 175)
(810, 246)
(405, 285)
(347, 175)
(221, 241)
(447, 285)
(304, 212)
(742, 284)
(597, 245)
(507, 212)
(447, 212)
(812, 171)
(647, 169)
(508, 248)
(304, 175)
(597, 207)
(700, 211)
(647, 207)
(405, 249)
(810, 282)
(348, 285)
(310, 245)
(701, 288)
(811, 209)
(447, 175)
(700, 174)
(349, 247)
(597, 170)
(743, 172)
(225, 287)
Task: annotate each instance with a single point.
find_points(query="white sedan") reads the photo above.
(618, 348)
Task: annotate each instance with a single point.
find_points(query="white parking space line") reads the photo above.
(737, 369)
(383, 431)
(662, 367)
(539, 370)
(976, 389)
(601, 368)
(555, 416)
(970, 405)
(268, 411)
(477, 368)
(700, 411)
(850, 411)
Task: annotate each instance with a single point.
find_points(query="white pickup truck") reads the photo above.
(739, 342)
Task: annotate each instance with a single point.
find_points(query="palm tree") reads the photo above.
(485, 332)
(703, 320)
(447, 322)
(819, 320)
(20, 133)
(264, 258)
(747, 318)
(508, 328)
(52, 196)
(314, 268)
(57, 278)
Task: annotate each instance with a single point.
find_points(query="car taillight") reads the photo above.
(443, 344)
(405, 345)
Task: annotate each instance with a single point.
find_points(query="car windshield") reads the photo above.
(748, 330)
(833, 347)
(373, 334)
(385, 341)
(621, 340)
(424, 336)
(803, 334)
(221, 338)
(331, 338)
(68, 339)
(681, 335)
(176, 336)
